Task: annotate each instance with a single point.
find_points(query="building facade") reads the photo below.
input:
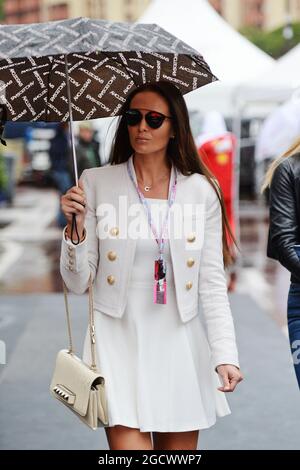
(21, 11)
(32, 11)
(264, 14)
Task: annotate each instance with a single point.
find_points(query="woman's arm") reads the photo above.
(213, 288)
(78, 262)
(284, 223)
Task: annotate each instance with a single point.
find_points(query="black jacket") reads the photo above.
(88, 155)
(59, 151)
(284, 230)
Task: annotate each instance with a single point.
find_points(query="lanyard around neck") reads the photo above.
(171, 198)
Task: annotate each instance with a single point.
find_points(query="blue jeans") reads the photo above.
(63, 182)
(293, 318)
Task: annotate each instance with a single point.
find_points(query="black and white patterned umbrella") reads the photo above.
(106, 60)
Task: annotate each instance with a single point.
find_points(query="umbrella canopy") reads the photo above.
(105, 61)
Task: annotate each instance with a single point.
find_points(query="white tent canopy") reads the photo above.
(231, 57)
(279, 131)
(285, 72)
(287, 68)
(277, 83)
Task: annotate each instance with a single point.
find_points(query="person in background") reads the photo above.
(278, 132)
(87, 148)
(60, 159)
(216, 147)
(282, 179)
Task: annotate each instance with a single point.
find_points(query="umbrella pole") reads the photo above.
(71, 121)
(74, 225)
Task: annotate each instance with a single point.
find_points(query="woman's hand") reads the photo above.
(74, 202)
(231, 376)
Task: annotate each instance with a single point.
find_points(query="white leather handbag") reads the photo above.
(79, 386)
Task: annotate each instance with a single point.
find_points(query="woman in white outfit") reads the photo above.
(165, 334)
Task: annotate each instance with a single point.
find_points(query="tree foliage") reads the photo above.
(273, 42)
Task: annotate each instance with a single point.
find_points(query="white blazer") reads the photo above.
(107, 253)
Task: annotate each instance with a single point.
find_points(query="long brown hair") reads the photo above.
(293, 149)
(181, 150)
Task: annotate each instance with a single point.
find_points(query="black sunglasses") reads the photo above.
(153, 118)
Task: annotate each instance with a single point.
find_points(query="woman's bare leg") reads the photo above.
(125, 438)
(175, 440)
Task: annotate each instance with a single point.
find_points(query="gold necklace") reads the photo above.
(148, 187)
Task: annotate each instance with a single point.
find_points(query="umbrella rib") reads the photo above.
(48, 87)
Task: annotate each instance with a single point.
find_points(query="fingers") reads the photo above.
(76, 189)
(230, 379)
(75, 194)
(76, 197)
(230, 385)
(226, 384)
(73, 207)
(73, 202)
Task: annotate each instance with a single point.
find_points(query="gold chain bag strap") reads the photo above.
(80, 386)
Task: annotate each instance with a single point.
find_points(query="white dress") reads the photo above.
(157, 369)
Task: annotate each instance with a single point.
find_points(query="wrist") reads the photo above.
(81, 232)
(225, 365)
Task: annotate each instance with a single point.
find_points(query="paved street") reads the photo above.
(265, 408)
